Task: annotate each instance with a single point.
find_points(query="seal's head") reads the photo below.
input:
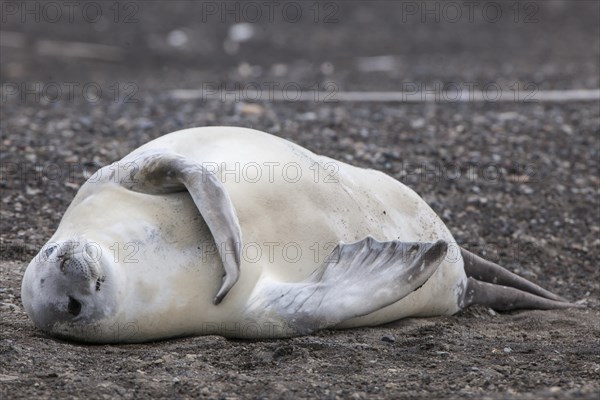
(68, 288)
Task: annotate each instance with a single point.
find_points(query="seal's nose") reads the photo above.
(74, 260)
(75, 267)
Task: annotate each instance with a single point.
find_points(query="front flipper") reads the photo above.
(159, 172)
(356, 280)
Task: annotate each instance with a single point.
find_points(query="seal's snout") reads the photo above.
(66, 286)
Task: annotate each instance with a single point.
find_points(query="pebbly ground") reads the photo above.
(516, 182)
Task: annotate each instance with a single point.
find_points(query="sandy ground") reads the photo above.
(516, 182)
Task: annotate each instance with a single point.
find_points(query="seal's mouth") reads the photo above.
(74, 306)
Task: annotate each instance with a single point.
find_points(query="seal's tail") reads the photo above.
(491, 285)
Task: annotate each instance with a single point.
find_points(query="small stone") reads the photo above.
(507, 349)
(567, 129)
(526, 189)
(327, 68)
(31, 191)
(241, 32)
(388, 338)
(251, 109)
(447, 214)
(308, 116)
(177, 38)
(144, 123)
(417, 123)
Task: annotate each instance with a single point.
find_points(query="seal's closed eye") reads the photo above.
(50, 249)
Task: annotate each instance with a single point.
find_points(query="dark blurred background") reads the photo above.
(181, 44)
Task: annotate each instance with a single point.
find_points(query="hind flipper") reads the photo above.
(487, 271)
(357, 279)
(504, 298)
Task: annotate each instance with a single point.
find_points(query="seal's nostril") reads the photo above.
(74, 307)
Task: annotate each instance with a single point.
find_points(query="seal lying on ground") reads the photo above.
(236, 232)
